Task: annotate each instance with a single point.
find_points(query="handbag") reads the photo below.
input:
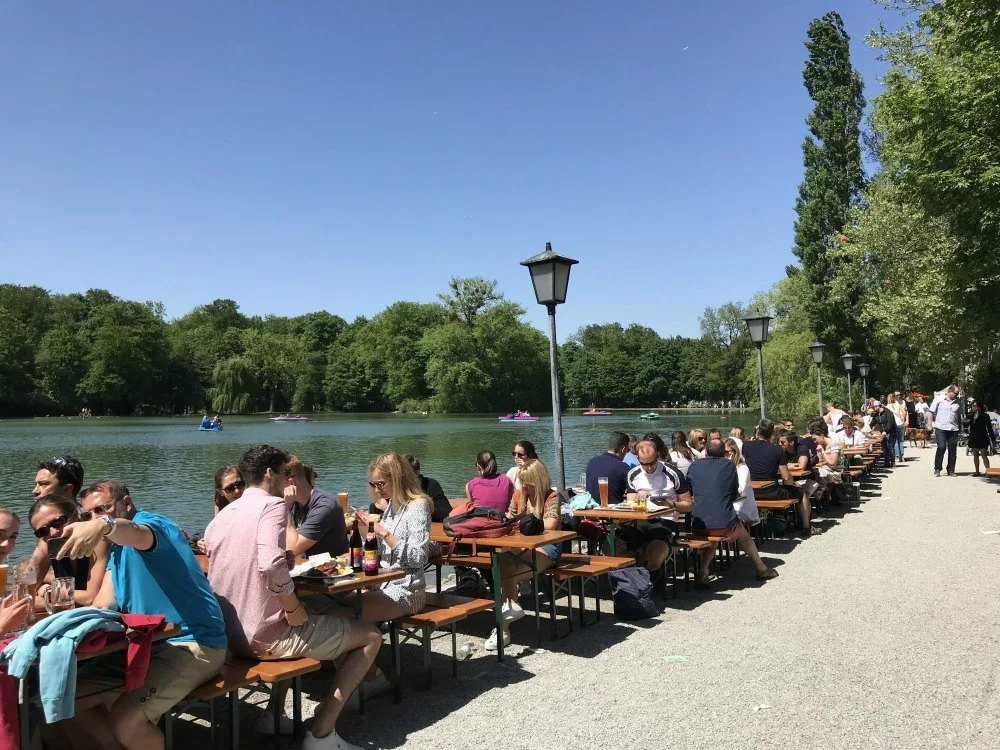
(530, 525)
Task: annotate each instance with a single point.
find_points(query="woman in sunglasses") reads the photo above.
(229, 486)
(48, 516)
(523, 452)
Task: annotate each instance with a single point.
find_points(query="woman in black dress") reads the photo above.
(981, 436)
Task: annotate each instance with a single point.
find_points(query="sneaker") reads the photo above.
(951, 473)
(265, 725)
(937, 472)
(511, 612)
(767, 574)
(332, 741)
(491, 642)
(373, 688)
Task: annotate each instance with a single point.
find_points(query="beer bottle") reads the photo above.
(357, 549)
(371, 551)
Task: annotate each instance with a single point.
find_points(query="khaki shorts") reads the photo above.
(175, 669)
(322, 637)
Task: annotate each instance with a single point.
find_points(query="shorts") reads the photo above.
(175, 669)
(641, 532)
(778, 492)
(322, 637)
(728, 534)
(551, 551)
(807, 485)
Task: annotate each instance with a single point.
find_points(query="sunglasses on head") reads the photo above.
(239, 484)
(56, 523)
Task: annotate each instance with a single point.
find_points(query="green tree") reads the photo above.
(468, 297)
(15, 364)
(236, 387)
(833, 174)
(60, 365)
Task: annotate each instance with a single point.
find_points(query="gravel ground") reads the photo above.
(880, 633)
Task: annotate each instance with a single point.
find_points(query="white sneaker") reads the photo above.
(491, 642)
(332, 741)
(511, 612)
(265, 724)
(376, 687)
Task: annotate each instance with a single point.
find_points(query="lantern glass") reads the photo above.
(757, 328)
(863, 369)
(817, 348)
(549, 276)
(848, 360)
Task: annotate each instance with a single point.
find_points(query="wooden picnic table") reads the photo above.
(509, 545)
(334, 587)
(23, 687)
(606, 513)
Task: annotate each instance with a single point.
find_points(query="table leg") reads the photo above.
(297, 707)
(497, 603)
(613, 538)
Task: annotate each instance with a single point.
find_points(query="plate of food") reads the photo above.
(332, 569)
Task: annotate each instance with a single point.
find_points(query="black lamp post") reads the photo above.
(848, 360)
(817, 348)
(757, 327)
(863, 372)
(550, 277)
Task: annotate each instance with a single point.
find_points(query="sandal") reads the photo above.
(815, 530)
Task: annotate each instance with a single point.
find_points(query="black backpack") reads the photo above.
(632, 591)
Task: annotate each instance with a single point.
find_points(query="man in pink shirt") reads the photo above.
(264, 618)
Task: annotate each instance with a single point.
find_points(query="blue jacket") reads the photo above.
(52, 642)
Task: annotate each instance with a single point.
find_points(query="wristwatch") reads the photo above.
(110, 524)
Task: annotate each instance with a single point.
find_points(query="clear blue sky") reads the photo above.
(342, 155)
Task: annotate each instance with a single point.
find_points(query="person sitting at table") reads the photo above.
(229, 486)
(738, 435)
(714, 487)
(799, 460)
(630, 458)
(769, 463)
(680, 454)
(264, 618)
(610, 465)
(537, 498)
(662, 449)
(489, 489)
(318, 525)
(151, 571)
(432, 488)
(746, 503)
(661, 485)
(60, 475)
(524, 451)
(48, 516)
(10, 527)
(696, 441)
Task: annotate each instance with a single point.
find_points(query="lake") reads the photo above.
(168, 464)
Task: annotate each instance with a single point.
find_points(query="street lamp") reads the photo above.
(863, 372)
(848, 360)
(550, 277)
(817, 348)
(757, 327)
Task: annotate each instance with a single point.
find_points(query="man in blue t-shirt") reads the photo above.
(151, 571)
(609, 464)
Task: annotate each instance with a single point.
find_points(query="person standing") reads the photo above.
(884, 422)
(945, 418)
(981, 435)
(898, 410)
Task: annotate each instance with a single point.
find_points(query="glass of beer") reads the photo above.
(59, 596)
(342, 499)
(3, 579)
(602, 489)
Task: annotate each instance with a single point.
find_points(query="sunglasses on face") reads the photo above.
(100, 510)
(519, 454)
(234, 487)
(56, 523)
(377, 485)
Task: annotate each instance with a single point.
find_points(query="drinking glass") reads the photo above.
(59, 597)
(602, 488)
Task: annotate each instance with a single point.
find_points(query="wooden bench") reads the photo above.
(441, 611)
(993, 472)
(688, 547)
(239, 673)
(582, 568)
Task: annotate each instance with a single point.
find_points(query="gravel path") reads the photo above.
(880, 633)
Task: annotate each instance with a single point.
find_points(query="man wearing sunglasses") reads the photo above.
(151, 571)
(60, 475)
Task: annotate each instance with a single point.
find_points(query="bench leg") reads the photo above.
(437, 586)
(538, 613)
(279, 709)
(168, 730)
(553, 628)
(297, 707)
(234, 720)
(454, 652)
(397, 688)
(497, 603)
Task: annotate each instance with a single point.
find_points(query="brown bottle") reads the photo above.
(371, 551)
(357, 549)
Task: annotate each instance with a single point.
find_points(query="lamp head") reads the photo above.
(757, 327)
(817, 348)
(549, 276)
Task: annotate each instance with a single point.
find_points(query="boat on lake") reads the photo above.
(288, 418)
(597, 413)
(518, 416)
(649, 416)
(214, 428)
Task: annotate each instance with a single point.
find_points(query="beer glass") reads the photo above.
(602, 489)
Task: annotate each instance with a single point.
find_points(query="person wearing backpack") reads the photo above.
(537, 505)
(489, 489)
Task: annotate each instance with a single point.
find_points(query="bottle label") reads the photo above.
(371, 560)
(357, 557)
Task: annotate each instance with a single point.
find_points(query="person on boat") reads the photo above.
(48, 516)
(217, 423)
(206, 423)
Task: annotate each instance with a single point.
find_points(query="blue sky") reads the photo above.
(297, 156)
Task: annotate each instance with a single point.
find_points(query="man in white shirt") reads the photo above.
(945, 416)
(833, 415)
(897, 407)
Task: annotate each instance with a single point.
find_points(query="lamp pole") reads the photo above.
(550, 278)
(863, 370)
(757, 328)
(848, 360)
(817, 348)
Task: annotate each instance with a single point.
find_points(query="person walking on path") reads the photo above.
(981, 435)
(945, 417)
(898, 409)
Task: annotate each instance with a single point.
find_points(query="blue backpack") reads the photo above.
(632, 591)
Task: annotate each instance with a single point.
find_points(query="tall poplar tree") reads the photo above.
(833, 175)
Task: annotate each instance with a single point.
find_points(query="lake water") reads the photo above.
(168, 464)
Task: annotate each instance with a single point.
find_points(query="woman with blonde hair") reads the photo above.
(534, 498)
(746, 505)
